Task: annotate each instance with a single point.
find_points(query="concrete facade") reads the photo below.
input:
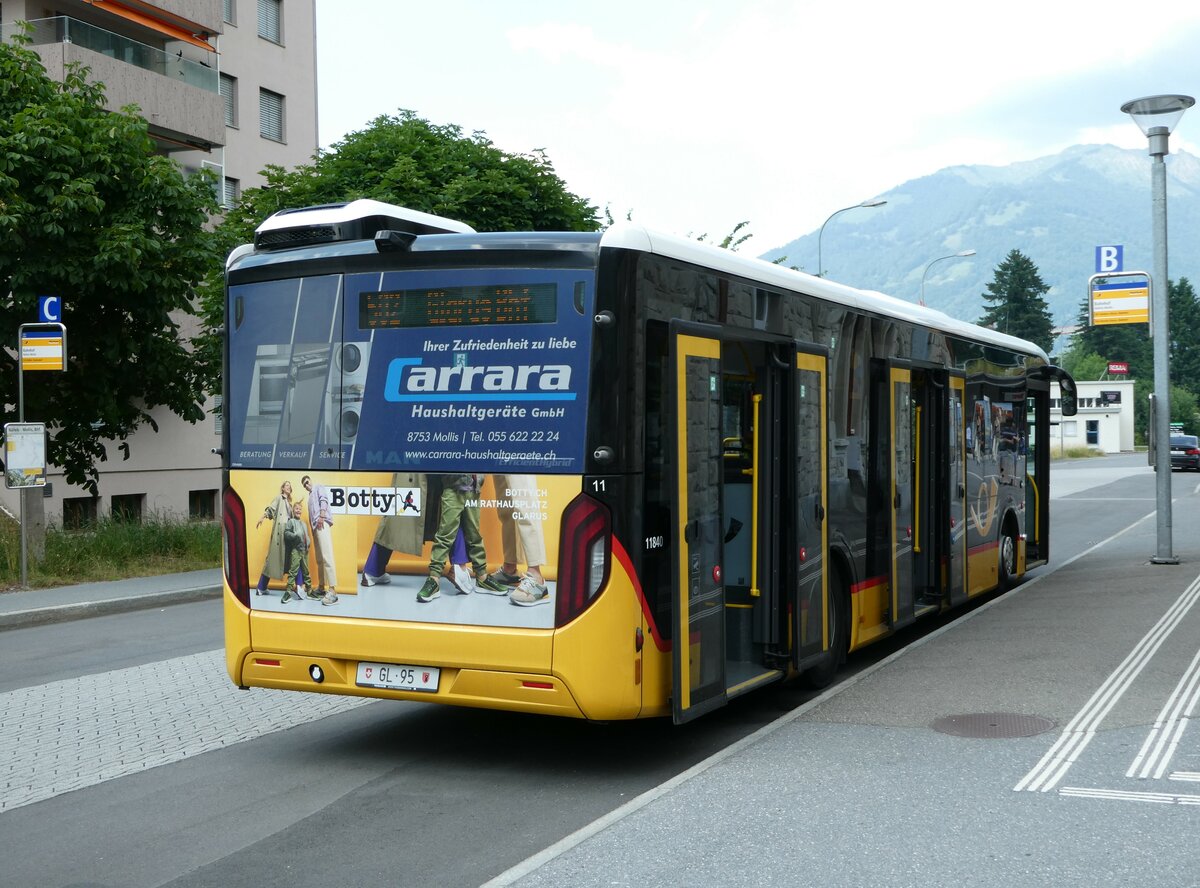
(1104, 421)
(167, 57)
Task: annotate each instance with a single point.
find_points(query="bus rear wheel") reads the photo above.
(1008, 559)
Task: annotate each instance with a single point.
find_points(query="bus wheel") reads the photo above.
(1008, 559)
(822, 675)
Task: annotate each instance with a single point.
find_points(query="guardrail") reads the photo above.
(64, 29)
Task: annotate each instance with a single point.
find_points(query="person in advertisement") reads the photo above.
(295, 540)
(458, 507)
(279, 512)
(321, 521)
(524, 526)
(396, 533)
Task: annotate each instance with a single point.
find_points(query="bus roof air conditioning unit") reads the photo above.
(356, 220)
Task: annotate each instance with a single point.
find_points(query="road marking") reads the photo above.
(1158, 798)
(1163, 739)
(1114, 499)
(1054, 765)
(76, 733)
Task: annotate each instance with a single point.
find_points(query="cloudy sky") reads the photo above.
(694, 116)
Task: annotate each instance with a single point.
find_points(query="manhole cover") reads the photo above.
(993, 724)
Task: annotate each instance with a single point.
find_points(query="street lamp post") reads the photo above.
(820, 234)
(961, 254)
(1156, 116)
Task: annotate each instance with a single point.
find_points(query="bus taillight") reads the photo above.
(233, 522)
(585, 551)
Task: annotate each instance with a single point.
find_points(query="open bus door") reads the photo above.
(919, 413)
(748, 524)
(956, 487)
(1036, 442)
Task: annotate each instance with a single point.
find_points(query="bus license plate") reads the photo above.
(398, 677)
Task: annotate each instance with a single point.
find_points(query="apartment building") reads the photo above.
(224, 84)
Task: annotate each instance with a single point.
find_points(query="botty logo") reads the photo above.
(409, 380)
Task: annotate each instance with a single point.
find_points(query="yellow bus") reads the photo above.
(599, 475)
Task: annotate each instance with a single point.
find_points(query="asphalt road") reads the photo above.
(172, 777)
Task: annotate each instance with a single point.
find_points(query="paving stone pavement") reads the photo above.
(71, 734)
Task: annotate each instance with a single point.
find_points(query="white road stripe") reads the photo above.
(1164, 737)
(1054, 765)
(1159, 798)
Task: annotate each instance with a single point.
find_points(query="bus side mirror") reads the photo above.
(1070, 404)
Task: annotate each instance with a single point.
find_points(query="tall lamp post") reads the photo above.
(820, 234)
(961, 254)
(1156, 116)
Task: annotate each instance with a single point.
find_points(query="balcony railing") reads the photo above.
(63, 29)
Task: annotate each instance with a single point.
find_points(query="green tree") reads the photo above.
(1083, 364)
(1018, 306)
(405, 160)
(1185, 336)
(90, 213)
(1183, 408)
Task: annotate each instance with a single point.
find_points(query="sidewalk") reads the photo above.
(33, 607)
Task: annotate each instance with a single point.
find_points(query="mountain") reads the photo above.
(1056, 210)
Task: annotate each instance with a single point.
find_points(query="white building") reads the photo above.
(225, 84)
(1104, 421)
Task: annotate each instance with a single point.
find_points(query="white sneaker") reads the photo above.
(381, 580)
(529, 592)
(462, 580)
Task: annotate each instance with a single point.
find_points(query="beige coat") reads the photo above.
(405, 533)
(279, 511)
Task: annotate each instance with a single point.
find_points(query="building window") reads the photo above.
(202, 505)
(231, 192)
(1093, 431)
(230, 12)
(269, 15)
(270, 114)
(78, 512)
(229, 92)
(127, 507)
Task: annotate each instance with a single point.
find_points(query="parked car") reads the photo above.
(1185, 452)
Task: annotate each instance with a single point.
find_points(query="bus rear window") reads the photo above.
(426, 370)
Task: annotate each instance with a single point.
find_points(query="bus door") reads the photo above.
(732, 417)
(956, 488)
(810, 622)
(1036, 442)
(928, 492)
(901, 464)
(1034, 445)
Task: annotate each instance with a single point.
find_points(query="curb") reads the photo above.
(61, 613)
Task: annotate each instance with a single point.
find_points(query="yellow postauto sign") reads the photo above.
(1121, 302)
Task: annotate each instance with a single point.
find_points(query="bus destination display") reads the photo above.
(459, 306)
